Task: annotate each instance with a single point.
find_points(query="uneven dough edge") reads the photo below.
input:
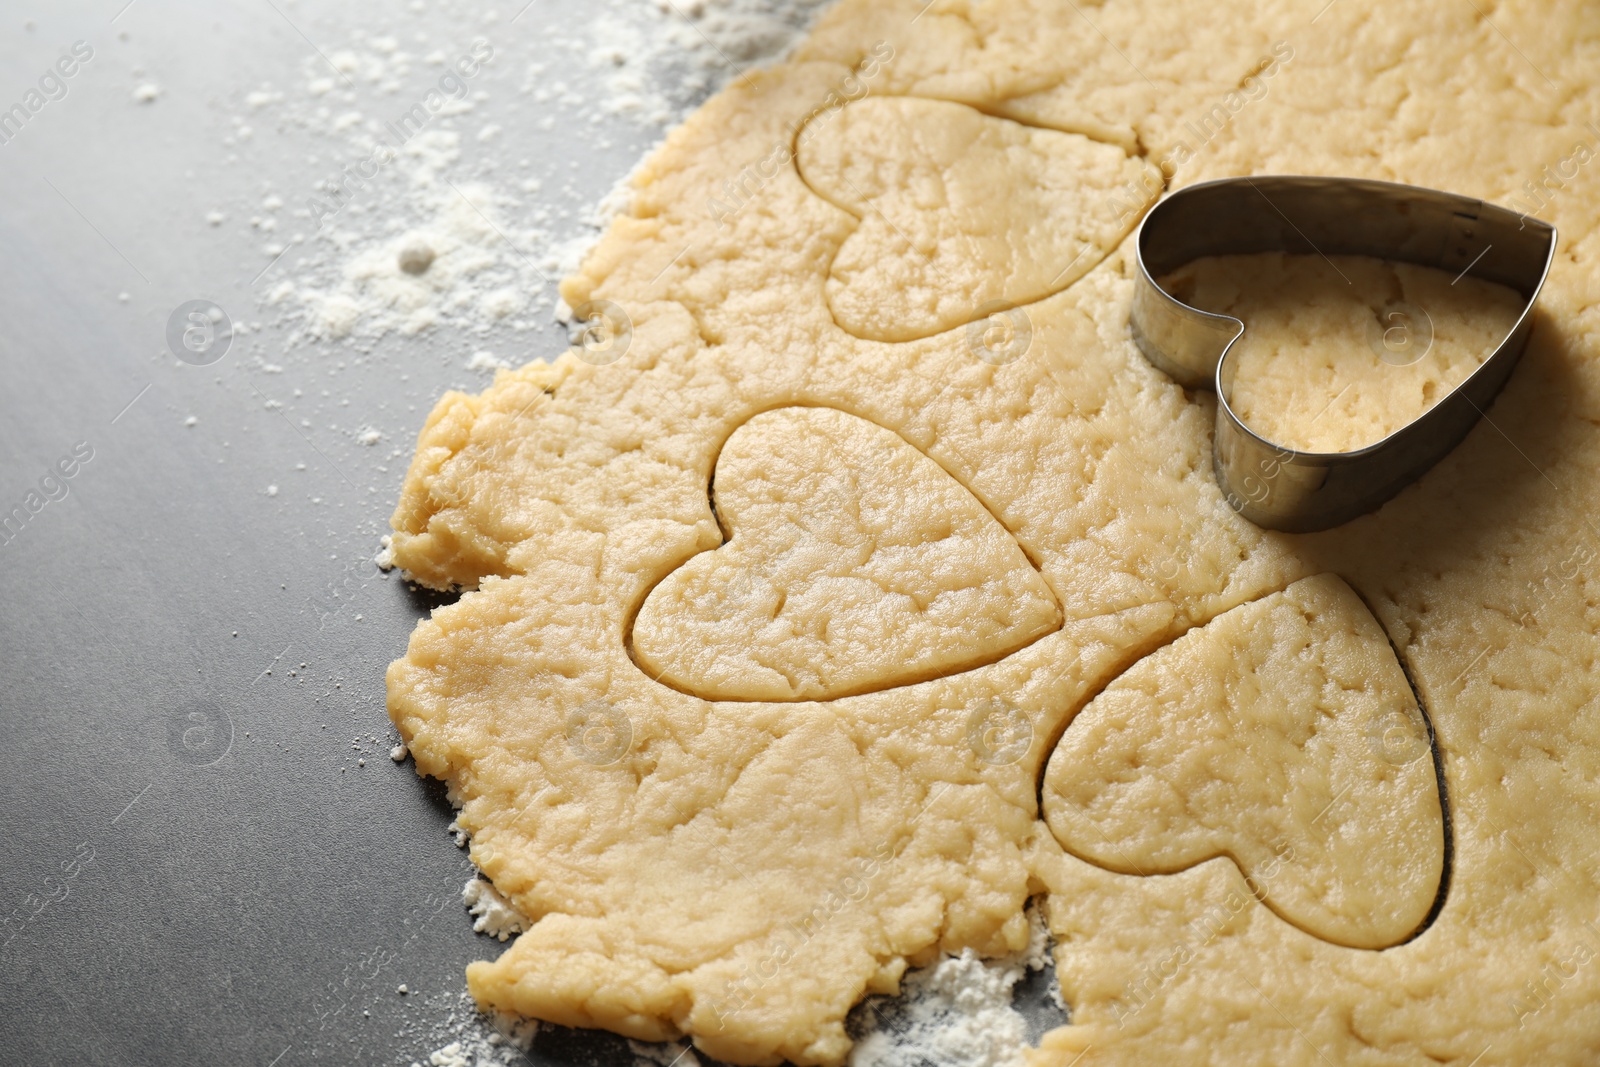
(1446, 999)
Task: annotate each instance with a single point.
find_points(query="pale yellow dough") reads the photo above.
(732, 822)
(1340, 352)
(959, 210)
(857, 564)
(1281, 734)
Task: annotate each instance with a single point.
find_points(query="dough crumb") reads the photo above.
(452, 1055)
(416, 256)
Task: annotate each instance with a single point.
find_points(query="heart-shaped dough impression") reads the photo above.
(1339, 352)
(1283, 734)
(852, 563)
(959, 209)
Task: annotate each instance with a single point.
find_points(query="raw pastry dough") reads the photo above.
(1282, 734)
(857, 564)
(1338, 353)
(744, 871)
(959, 210)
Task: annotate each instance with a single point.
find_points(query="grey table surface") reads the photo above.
(196, 868)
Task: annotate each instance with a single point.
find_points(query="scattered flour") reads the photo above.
(464, 1037)
(492, 913)
(658, 59)
(957, 1013)
(664, 1054)
(401, 236)
(486, 361)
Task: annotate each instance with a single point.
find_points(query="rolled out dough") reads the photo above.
(938, 273)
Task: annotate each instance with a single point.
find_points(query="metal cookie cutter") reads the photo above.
(1283, 488)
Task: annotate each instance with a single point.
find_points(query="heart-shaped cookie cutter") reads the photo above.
(1284, 488)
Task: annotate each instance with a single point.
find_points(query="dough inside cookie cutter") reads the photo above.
(1283, 488)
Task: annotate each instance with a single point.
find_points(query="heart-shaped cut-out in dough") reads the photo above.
(852, 563)
(1284, 735)
(960, 209)
(1339, 352)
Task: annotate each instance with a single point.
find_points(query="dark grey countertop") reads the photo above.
(196, 868)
